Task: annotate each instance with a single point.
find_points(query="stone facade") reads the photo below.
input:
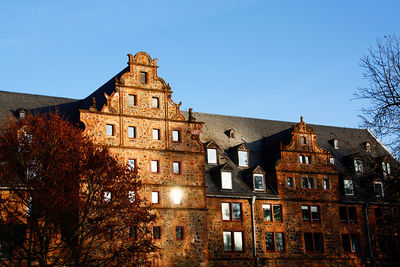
(244, 192)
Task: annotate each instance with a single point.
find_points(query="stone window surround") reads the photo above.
(151, 166)
(179, 135)
(182, 232)
(179, 167)
(158, 197)
(347, 214)
(274, 242)
(231, 212)
(313, 234)
(233, 240)
(271, 208)
(310, 213)
(155, 227)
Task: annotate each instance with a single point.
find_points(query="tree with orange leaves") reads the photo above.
(66, 201)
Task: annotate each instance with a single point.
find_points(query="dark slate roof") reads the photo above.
(263, 138)
(11, 103)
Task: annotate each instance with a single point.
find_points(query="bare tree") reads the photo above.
(65, 201)
(382, 70)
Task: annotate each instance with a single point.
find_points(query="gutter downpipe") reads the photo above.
(253, 228)
(369, 234)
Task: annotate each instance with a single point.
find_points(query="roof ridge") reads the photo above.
(11, 92)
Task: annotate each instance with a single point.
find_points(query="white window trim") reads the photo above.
(212, 156)
(254, 181)
(352, 186)
(226, 181)
(383, 193)
(243, 157)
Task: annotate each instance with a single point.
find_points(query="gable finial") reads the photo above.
(301, 119)
(93, 104)
(191, 118)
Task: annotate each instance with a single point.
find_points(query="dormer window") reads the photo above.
(232, 133)
(243, 158)
(386, 168)
(335, 144)
(226, 180)
(332, 160)
(258, 181)
(378, 188)
(367, 146)
(22, 114)
(358, 167)
(348, 187)
(212, 157)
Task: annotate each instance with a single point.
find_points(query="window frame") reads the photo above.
(308, 179)
(179, 136)
(346, 212)
(134, 164)
(231, 212)
(313, 234)
(222, 179)
(274, 242)
(108, 125)
(158, 197)
(232, 237)
(272, 211)
(254, 181)
(156, 130)
(247, 160)
(159, 232)
(310, 213)
(179, 167)
(293, 186)
(358, 166)
(134, 97)
(134, 132)
(381, 194)
(143, 77)
(352, 186)
(326, 184)
(351, 239)
(153, 106)
(157, 166)
(208, 156)
(386, 168)
(182, 232)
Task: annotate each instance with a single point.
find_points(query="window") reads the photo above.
(179, 232)
(335, 144)
(132, 163)
(212, 156)
(313, 242)
(226, 180)
(290, 182)
(131, 196)
(272, 212)
(143, 77)
(176, 195)
(155, 197)
(107, 196)
(154, 166)
(348, 214)
(231, 211)
(378, 188)
(132, 232)
(235, 243)
(326, 184)
(304, 140)
(258, 182)
(131, 100)
(175, 136)
(131, 132)
(348, 187)
(332, 160)
(109, 129)
(305, 159)
(386, 168)
(243, 158)
(351, 243)
(156, 134)
(176, 166)
(358, 167)
(155, 102)
(308, 183)
(156, 232)
(310, 213)
(274, 242)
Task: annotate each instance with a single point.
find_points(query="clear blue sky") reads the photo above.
(265, 59)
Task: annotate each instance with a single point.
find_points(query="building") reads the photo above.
(234, 191)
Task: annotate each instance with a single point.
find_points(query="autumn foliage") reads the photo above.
(66, 201)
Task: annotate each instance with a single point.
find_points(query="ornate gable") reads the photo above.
(303, 139)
